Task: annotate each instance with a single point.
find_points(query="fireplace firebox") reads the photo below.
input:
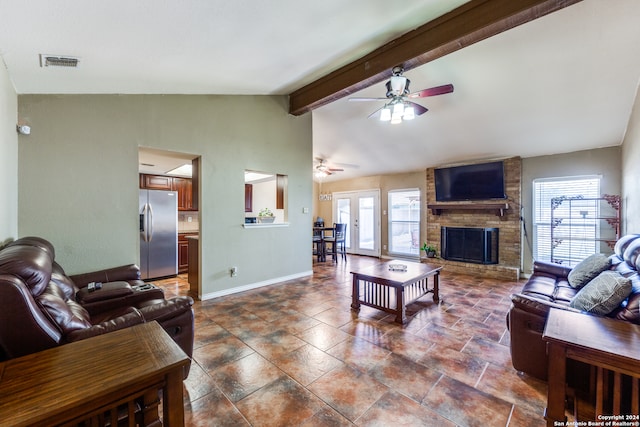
(475, 245)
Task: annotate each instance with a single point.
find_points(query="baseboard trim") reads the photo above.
(256, 285)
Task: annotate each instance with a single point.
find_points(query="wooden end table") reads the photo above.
(391, 291)
(78, 382)
(605, 343)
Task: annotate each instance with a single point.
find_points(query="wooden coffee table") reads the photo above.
(390, 291)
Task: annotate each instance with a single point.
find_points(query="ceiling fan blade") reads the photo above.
(437, 90)
(418, 109)
(336, 170)
(367, 99)
(375, 112)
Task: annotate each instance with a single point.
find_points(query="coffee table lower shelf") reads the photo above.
(391, 291)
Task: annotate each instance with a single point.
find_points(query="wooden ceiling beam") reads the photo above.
(470, 23)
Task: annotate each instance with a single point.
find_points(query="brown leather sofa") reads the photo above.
(548, 287)
(42, 307)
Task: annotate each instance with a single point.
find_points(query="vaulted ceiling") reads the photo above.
(529, 79)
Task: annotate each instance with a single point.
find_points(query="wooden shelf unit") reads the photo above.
(499, 208)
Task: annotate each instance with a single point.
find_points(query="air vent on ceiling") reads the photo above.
(58, 61)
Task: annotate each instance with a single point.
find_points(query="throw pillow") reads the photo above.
(587, 269)
(603, 294)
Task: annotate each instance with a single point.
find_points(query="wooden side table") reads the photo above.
(605, 343)
(81, 381)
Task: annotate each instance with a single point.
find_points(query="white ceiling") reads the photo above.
(561, 83)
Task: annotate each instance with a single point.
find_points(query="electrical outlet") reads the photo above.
(384, 247)
(233, 271)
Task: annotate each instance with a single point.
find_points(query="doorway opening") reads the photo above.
(160, 172)
(360, 210)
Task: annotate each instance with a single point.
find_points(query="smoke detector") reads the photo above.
(58, 61)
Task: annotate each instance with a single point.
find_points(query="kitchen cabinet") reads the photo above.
(193, 273)
(248, 198)
(183, 252)
(183, 186)
(185, 193)
(156, 182)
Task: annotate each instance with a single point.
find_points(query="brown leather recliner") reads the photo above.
(41, 307)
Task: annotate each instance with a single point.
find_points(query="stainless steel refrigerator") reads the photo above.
(158, 233)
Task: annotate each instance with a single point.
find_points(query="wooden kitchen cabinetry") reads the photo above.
(248, 198)
(156, 182)
(183, 252)
(183, 186)
(185, 193)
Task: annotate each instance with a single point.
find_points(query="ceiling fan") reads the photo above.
(322, 169)
(398, 107)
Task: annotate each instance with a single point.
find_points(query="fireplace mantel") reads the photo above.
(499, 208)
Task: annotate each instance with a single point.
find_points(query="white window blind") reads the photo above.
(404, 222)
(580, 236)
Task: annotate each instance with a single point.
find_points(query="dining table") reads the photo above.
(319, 233)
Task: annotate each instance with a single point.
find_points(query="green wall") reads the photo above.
(8, 157)
(78, 178)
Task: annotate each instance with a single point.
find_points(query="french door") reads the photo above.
(361, 212)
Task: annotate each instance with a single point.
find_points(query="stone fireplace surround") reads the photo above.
(483, 214)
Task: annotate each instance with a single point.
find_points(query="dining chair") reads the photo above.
(337, 243)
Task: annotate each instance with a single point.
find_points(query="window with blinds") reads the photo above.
(404, 222)
(585, 232)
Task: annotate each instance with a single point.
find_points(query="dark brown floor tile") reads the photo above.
(478, 329)
(461, 366)
(359, 353)
(444, 337)
(467, 406)
(367, 329)
(327, 417)
(323, 336)
(280, 403)
(348, 391)
(405, 344)
(405, 376)
(242, 377)
(213, 410)
(295, 323)
(198, 384)
(336, 317)
(490, 351)
(307, 364)
(208, 333)
(525, 418)
(221, 352)
(507, 384)
(274, 345)
(394, 409)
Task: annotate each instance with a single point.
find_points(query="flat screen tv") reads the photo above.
(470, 182)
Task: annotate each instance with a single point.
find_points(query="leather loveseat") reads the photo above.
(42, 307)
(549, 287)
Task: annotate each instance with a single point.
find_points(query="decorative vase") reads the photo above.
(266, 219)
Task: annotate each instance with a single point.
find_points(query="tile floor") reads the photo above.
(294, 354)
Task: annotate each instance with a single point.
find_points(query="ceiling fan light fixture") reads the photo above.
(409, 113)
(396, 119)
(398, 109)
(385, 114)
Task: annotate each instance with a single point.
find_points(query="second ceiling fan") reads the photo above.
(398, 107)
